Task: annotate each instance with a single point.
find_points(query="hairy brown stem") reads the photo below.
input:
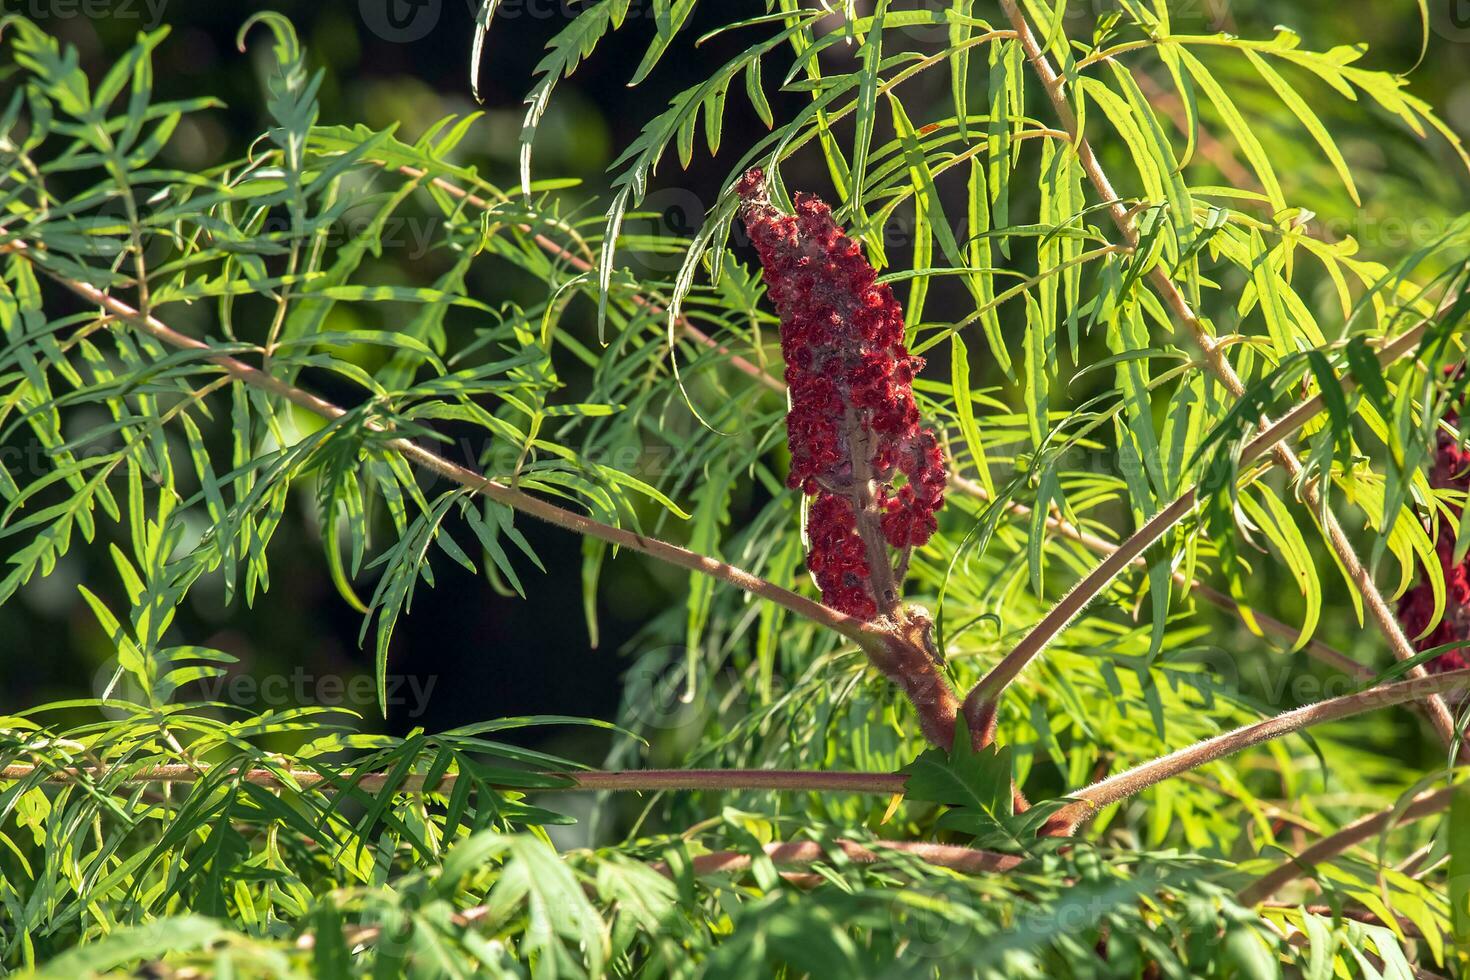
(1114, 789)
(628, 780)
(887, 591)
(1314, 648)
(673, 554)
(892, 651)
(980, 703)
(1355, 833)
(904, 659)
(1220, 366)
(1355, 912)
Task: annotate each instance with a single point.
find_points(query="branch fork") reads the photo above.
(980, 704)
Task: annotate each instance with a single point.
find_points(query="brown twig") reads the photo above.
(1355, 833)
(980, 704)
(1117, 788)
(1354, 912)
(892, 650)
(963, 859)
(1101, 546)
(627, 780)
(848, 626)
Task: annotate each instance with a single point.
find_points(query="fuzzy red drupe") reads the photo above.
(1451, 471)
(853, 426)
